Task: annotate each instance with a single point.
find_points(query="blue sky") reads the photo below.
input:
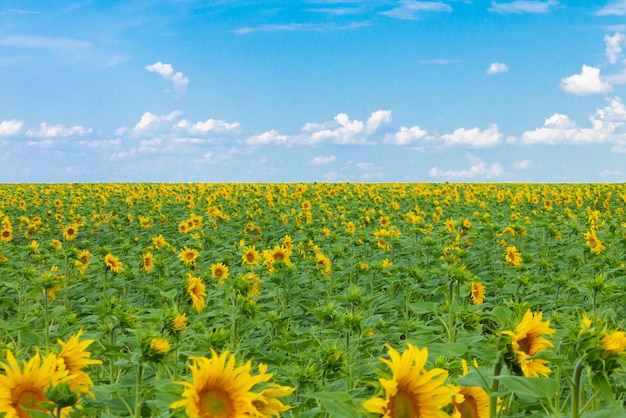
(320, 90)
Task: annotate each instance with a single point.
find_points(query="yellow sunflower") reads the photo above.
(219, 271)
(113, 263)
(188, 256)
(250, 256)
(147, 262)
(478, 293)
(196, 291)
(22, 390)
(70, 232)
(412, 391)
(527, 341)
(180, 322)
(513, 256)
(222, 390)
(593, 242)
(73, 358)
(280, 254)
(614, 343)
(471, 401)
(6, 235)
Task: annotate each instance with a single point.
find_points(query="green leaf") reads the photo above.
(338, 404)
(616, 412)
(530, 388)
(601, 383)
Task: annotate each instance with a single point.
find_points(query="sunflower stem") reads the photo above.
(578, 372)
(138, 397)
(493, 397)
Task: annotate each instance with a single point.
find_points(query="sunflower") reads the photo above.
(222, 390)
(412, 391)
(322, 260)
(6, 235)
(471, 401)
(180, 322)
(478, 293)
(22, 390)
(159, 241)
(513, 256)
(73, 358)
(593, 242)
(160, 345)
(219, 271)
(527, 341)
(250, 256)
(113, 263)
(70, 232)
(188, 255)
(280, 254)
(147, 262)
(614, 343)
(83, 257)
(196, 291)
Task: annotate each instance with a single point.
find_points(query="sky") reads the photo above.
(312, 91)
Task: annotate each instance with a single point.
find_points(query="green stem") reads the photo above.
(493, 397)
(578, 371)
(46, 319)
(138, 398)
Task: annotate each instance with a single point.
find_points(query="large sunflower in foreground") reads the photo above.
(527, 341)
(412, 392)
(22, 390)
(74, 358)
(222, 390)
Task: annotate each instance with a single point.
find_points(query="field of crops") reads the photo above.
(313, 300)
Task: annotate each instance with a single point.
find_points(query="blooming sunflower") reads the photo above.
(147, 262)
(188, 256)
(513, 256)
(73, 358)
(593, 242)
(280, 254)
(251, 256)
(196, 291)
(22, 390)
(222, 390)
(113, 263)
(6, 235)
(471, 401)
(614, 343)
(412, 391)
(70, 232)
(180, 322)
(219, 271)
(527, 341)
(478, 293)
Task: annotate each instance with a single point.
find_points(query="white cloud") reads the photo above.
(55, 131)
(474, 137)
(406, 136)
(10, 127)
(522, 165)
(617, 8)
(43, 42)
(150, 123)
(266, 138)
(167, 71)
(46, 143)
(586, 83)
(376, 119)
(301, 27)
(341, 131)
(478, 170)
(607, 125)
(410, 9)
(497, 68)
(610, 173)
(521, 6)
(209, 125)
(614, 46)
(320, 160)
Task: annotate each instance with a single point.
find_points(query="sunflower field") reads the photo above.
(312, 300)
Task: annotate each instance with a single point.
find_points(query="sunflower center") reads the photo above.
(27, 397)
(250, 257)
(468, 408)
(403, 405)
(216, 403)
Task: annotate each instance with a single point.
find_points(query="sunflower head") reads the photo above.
(527, 340)
(197, 292)
(412, 390)
(113, 263)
